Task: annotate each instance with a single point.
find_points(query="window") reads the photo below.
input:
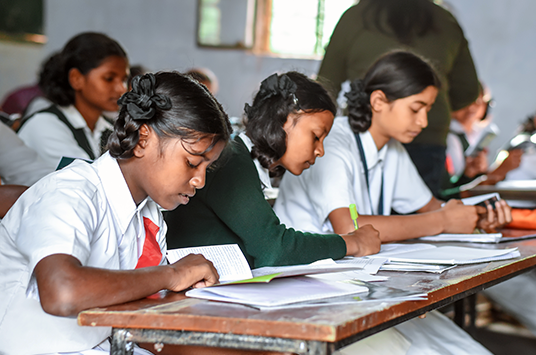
(226, 23)
(304, 27)
(22, 20)
(283, 27)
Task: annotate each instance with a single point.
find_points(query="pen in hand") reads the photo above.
(354, 215)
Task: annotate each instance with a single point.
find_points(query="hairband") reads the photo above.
(141, 100)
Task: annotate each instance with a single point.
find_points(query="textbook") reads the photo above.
(233, 267)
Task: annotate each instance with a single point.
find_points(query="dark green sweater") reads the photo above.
(231, 209)
(354, 48)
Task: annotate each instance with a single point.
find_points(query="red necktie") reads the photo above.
(151, 255)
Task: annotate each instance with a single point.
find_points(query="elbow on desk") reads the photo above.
(62, 303)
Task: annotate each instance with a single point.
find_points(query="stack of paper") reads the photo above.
(475, 238)
(278, 292)
(447, 255)
(465, 238)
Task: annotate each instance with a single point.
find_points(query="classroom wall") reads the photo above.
(161, 35)
(19, 65)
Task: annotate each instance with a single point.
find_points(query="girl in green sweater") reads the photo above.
(285, 129)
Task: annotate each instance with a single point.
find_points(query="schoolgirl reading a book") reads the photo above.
(92, 235)
(365, 164)
(286, 126)
(83, 81)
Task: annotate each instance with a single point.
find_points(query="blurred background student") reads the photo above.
(86, 79)
(374, 27)
(468, 127)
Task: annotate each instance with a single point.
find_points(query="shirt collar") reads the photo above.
(372, 154)
(456, 126)
(264, 174)
(78, 121)
(117, 192)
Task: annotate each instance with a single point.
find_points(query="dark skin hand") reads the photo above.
(66, 287)
(453, 217)
(363, 241)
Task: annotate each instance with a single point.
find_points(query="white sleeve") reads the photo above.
(51, 139)
(19, 164)
(67, 228)
(330, 181)
(410, 192)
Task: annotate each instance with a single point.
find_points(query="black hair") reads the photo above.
(397, 74)
(174, 106)
(85, 51)
(135, 70)
(406, 19)
(278, 97)
(199, 76)
(47, 74)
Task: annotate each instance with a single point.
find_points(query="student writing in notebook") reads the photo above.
(366, 164)
(92, 235)
(286, 126)
(83, 81)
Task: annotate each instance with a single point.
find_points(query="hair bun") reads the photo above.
(357, 96)
(278, 85)
(141, 100)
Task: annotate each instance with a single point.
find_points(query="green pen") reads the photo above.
(354, 215)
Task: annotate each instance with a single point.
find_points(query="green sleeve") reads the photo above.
(236, 198)
(333, 69)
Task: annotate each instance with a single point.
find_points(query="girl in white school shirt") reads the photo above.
(74, 239)
(85, 79)
(366, 164)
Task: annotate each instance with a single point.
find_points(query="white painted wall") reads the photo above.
(161, 35)
(19, 65)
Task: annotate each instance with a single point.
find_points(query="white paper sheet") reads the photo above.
(278, 292)
(451, 255)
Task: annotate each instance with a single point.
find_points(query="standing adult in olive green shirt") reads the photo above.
(374, 27)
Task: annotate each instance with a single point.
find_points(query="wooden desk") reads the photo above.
(175, 319)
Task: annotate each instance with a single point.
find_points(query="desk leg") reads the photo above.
(461, 308)
(121, 345)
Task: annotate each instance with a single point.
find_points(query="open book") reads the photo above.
(258, 288)
(233, 267)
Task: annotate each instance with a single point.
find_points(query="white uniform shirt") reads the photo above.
(338, 180)
(84, 210)
(52, 139)
(19, 164)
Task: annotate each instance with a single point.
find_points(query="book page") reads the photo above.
(228, 259)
